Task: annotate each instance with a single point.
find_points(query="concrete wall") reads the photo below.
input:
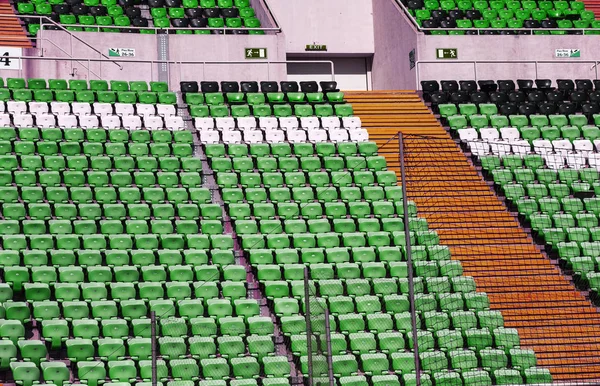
(504, 48)
(346, 27)
(58, 44)
(395, 38)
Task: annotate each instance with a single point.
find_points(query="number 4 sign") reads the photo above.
(8, 58)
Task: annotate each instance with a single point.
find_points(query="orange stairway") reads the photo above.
(551, 315)
(12, 33)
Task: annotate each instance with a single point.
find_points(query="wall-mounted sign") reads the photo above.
(255, 53)
(567, 53)
(316, 47)
(411, 58)
(8, 58)
(122, 52)
(446, 53)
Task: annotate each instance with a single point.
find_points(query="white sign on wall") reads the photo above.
(567, 53)
(122, 52)
(8, 57)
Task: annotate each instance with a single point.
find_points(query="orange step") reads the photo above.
(12, 33)
(551, 315)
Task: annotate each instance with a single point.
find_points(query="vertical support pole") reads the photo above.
(308, 327)
(153, 346)
(328, 343)
(411, 288)
(536, 70)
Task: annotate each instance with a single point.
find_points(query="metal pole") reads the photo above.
(308, 328)
(153, 343)
(411, 289)
(536, 69)
(328, 342)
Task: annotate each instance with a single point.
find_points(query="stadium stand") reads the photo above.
(205, 17)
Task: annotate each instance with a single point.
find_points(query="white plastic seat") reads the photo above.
(246, 123)
(468, 135)
(500, 148)
(68, 121)
(4, 120)
(3, 107)
(594, 160)
(296, 135)
(274, 136)
(145, 109)
(542, 146)
(102, 108)
(16, 107)
(38, 108)
(109, 121)
(584, 146)
(555, 161)
(521, 147)
(317, 135)
(597, 144)
(225, 123)
(510, 134)
(268, 123)
(209, 136)
(124, 109)
(252, 136)
(174, 122)
(165, 110)
(23, 120)
(576, 160)
(330, 123)
(338, 135)
(153, 122)
(479, 148)
(358, 135)
(132, 122)
(204, 123)
(81, 108)
(562, 146)
(60, 108)
(231, 136)
(351, 122)
(489, 134)
(45, 120)
(310, 123)
(288, 123)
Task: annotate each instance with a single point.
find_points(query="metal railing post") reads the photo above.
(329, 353)
(308, 327)
(153, 346)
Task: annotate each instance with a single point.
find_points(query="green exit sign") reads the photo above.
(316, 47)
(255, 53)
(446, 53)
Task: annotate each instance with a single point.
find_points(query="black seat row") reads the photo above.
(430, 86)
(268, 86)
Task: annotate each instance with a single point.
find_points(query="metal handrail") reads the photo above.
(594, 64)
(424, 29)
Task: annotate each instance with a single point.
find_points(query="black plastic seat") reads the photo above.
(448, 24)
(188, 86)
(549, 23)
(547, 107)
(431, 23)
(172, 3)
(460, 97)
(487, 86)
(525, 84)
(249, 86)
(594, 96)
(61, 9)
(199, 22)
(536, 96)
(289, 86)
(209, 86)
(430, 86)
(156, 3)
(269, 86)
(456, 14)
(180, 23)
(140, 22)
(506, 85)
(193, 13)
(230, 12)
(527, 108)
(567, 108)
(415, 4)
(230, 87)
(133, 12)
(73, 2)
(509, 108)
(211, 12)
(449, 85)
(517, 96)
(473, 14)
(579, 97)
(439, 98)
(565, 85)
(531, 24)
(310, 86)
(98, 10)
(126, 3)
(328, 86)
(438, 14)
(498, 97)
(590, 108)
(544, 84)
(584, 85)
(596, 84)
(479, 97)
(80, 9)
